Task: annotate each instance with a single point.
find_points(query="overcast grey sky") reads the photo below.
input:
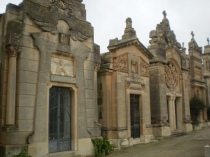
(108, 18)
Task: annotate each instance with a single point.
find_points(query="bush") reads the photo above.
(196, 106)
(23, 153)
(102, 147)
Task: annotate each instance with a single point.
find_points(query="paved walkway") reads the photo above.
(190, 145)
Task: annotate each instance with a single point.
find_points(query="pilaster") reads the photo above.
(12, 52)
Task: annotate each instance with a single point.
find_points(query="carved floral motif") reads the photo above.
(121, 64)
(144, 68)
(171, 75)
(62, 67)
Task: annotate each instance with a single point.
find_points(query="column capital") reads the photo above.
(172, 98)
(13, 51)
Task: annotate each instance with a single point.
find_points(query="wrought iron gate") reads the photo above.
(135, 116)
(59, 119)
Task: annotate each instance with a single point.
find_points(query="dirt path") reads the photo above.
(190, 145)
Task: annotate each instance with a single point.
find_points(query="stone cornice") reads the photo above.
(118, 44)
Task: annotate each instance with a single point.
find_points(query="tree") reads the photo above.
(196, 106)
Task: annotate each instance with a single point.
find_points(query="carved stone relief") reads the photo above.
(61, 9)
(144, 68)
(134, 67)
(135, 85)
(171, 75)
(62, 67)
(120, 64)
(60, 4)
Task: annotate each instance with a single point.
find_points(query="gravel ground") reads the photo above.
(190, 145)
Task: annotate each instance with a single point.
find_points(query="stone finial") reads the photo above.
(129, 23)
(192, 33)
(129, 31)
(164, 14)
(183, 45)
(208, 40)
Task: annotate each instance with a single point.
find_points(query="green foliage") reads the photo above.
(23, 153)
(102, 147)
(196, 106)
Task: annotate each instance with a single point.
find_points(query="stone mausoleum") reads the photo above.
(58, 91)
(49, 65)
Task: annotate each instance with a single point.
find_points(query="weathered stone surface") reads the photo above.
(28, 65)
(26, 89)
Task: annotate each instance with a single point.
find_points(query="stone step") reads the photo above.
(178, 133)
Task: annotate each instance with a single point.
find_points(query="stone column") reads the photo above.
(172, 112)
(11, 85)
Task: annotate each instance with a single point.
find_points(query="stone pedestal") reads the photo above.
(187, 127)
(163, 131)
(207, 151)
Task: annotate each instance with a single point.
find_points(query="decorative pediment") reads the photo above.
(120, 63)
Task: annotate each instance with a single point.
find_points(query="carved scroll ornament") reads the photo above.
(171, 75)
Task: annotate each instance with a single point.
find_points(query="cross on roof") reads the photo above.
(208, 40)
(192, 34)
(164, 14)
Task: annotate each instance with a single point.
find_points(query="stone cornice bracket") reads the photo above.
(13, 51)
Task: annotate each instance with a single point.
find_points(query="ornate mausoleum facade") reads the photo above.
(49, 66)
(58, 92)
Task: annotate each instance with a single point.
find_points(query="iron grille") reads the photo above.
(59, 119)
(135, 116)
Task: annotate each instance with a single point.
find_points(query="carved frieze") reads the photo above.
(62, 67)
(144, 67)
(135, 85)
(120, 63)
(171, 75)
